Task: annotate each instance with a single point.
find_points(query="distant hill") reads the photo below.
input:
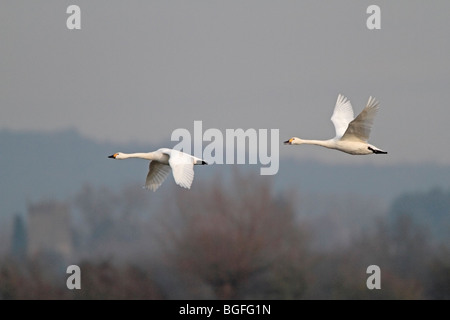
(37, 165)
(54, 166)
(430, 209)
(383, 182)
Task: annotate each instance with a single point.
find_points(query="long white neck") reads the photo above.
(324, 143)
(141, 155)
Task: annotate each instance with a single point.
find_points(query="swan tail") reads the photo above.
(198, 161)
(377, 151)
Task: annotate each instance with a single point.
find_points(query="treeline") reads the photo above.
(229, 241)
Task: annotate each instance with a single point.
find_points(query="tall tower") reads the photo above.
(49, 230)
(19, 238)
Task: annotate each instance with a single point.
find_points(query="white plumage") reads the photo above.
(161, 162)
(352, 134)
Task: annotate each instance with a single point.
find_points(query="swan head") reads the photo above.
(118, 156)
(294, 140)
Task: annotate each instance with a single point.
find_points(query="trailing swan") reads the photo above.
(352, 134)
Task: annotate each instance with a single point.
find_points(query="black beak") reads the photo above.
(111, 156)
(287, 142)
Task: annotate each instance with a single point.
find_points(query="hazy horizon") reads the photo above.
(137, 71)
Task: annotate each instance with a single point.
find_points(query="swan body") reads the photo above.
(352, 134)
(162, 161)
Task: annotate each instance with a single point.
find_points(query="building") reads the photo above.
(49, 231)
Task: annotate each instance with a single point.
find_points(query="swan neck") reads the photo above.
(323, 143)
(141, 155)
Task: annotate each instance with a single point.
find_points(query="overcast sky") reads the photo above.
(137, 70)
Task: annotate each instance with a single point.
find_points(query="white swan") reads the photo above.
(351, 134)
(161, 161)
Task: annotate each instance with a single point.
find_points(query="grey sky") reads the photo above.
(137, 70)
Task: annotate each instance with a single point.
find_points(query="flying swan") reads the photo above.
(161, 161)
(351, 133)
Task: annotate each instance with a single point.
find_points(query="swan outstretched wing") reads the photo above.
(157, 173)
(182, 165)
(359, 128)
(342, 115)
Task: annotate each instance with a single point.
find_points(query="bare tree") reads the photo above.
(107, 220)
(230, 236)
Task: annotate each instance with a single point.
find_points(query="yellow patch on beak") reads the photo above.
(290, 140)
(115, 155)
